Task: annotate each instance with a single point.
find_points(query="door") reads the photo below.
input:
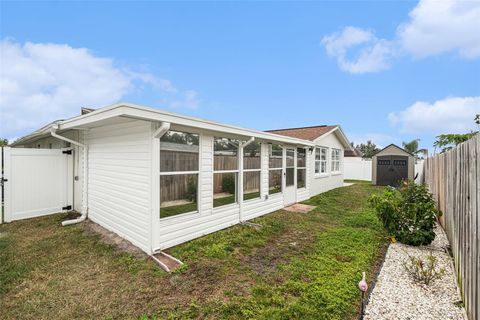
(36, 182)
(290, 193)
(391, 170)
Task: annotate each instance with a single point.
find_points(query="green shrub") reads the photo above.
(192, 189)
(408, 213)
(228, 183)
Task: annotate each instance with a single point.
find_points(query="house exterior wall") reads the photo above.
(119, 179)
(394, 151)
(324, 182)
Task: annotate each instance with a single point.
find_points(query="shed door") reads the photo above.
(391, 170)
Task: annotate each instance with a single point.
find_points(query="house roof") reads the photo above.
(314, 132)
(130, 110)
(352, 153)
(306, 133)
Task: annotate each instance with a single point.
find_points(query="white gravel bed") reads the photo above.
(397, 296)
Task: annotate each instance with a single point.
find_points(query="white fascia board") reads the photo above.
(150, 114)
(339, 133)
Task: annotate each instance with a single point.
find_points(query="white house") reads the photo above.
(159, 179)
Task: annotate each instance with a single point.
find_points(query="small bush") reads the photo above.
(408, 213)
(423, 271)
(228, 183)
(192, 189)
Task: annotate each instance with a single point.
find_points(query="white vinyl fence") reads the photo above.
(35, 182)
(356, 168)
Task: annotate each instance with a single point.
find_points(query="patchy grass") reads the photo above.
(296, 266)
(178, 209)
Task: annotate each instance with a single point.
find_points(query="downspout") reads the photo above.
(84, 212)
(155, 193)
(164, 127)
(240, 179)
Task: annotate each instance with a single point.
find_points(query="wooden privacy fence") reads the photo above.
(177, 187)
(454, 179)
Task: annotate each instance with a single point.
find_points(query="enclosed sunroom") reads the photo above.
(159, 179)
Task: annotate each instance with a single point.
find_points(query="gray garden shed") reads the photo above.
(391, 165)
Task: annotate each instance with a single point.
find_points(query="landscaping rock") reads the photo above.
(397, 296)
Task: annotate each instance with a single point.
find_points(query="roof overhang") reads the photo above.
(340, 135)
(134, 111)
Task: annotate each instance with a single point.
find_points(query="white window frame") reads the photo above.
(259, 170)
(172, 173)
(321, 161)
(276, 169)
(237, 171)
(336, 160)
(302, 168)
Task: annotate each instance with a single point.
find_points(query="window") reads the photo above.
(251, 171)
(275, 167)
(320, 160)
(301, 167)
(225, 171)
(400, 163)
(335, 160)
(384, 162)
(179, 163)
(290, 167)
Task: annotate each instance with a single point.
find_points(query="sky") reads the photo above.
(387, 71)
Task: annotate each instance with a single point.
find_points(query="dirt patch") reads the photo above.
(110, 238)
(277, 251)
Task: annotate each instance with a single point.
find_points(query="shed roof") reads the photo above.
(395, 146)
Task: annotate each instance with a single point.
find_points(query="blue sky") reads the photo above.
(389, 71)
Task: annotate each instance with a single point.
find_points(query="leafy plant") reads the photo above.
(407, 213)
(368, 149)
(448, 141)
(228, 183)
(413, 148)
(192, 189)
(424, 271)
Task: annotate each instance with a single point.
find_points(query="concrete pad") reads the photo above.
(299, 207)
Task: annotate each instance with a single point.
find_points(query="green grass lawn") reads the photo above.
(297, 266)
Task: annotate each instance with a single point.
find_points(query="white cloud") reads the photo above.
(374, 54)
(41, 82)
(450, 115)
(440, 26)
(434, 27)
(380, 139)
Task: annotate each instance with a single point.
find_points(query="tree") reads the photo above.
(3, 142)
(448, 141)
(412, 147)
(367, 149)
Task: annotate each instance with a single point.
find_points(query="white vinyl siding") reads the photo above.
(119, 176)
